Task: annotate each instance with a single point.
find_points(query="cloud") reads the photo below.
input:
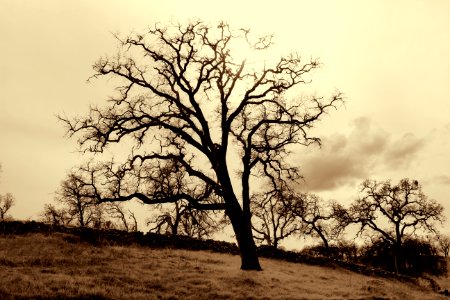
(348, 159)
(402, 151)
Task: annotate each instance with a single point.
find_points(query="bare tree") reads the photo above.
(315, 216)
(187, 100)
(273, 221)
(166, 221)
(180, 218)
(169, 180)
(76, 197)
(126, 218)
(395, 211)
(55, 216)
(443, 243)
(201, 224)
(6, 202)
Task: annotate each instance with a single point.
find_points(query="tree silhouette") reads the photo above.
(185, 101)
(168, 180)
(180, 218)
(6, 202)
(74, 194)
(272, 221)
(443, 244)
(395, 211)
(55, 216)
(315, 216)
(126, 218)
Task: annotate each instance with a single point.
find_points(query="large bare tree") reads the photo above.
(185, 100)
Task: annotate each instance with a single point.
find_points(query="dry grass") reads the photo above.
(56, 266)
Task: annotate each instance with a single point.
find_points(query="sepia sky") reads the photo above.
(391, 59)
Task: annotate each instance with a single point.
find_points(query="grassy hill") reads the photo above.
(60, 265)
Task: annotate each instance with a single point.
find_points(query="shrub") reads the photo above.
(415, 258)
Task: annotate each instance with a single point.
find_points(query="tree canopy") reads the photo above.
(394, 212)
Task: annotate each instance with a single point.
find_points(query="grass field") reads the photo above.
(60, 266)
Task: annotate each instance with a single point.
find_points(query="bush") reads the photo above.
(415, 258)
(344, 251)
(101, 237)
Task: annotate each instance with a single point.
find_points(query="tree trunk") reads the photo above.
(323, 238)
(243, 229)
(240, 218)
(275, 243)
(397, 256)
(398, 246)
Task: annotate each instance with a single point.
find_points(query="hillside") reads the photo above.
(59, 265)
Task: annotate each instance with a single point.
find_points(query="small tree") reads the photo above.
(183, 91)
(272, 221)
(180, 218)
(315, 217)
(126, 218)
(418, 256)
(443, 244)
(6, 202)
(76, 198)
(201, 224)
(395, 211)
(55, 216)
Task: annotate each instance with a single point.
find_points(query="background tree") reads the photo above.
(395, 211)
(125, 217)
(168, 180)
(77, 198)
(443, 244)
(418, 256)
(179, 218)
(272, 221)
(6, 202)
(314, 216)
(55, 216)
(186, 97)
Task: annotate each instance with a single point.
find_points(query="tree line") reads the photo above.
(397, 220)
(394, 220)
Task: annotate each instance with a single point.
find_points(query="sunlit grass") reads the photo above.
(59, 266)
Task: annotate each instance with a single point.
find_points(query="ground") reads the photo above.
(59, 265)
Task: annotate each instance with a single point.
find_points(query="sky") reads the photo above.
(391, 59)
